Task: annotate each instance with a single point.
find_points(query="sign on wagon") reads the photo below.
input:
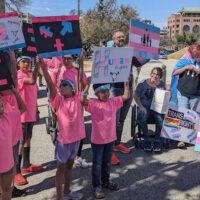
(180, 124)
(111, 65)
(11, 36)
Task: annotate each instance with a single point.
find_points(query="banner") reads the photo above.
(197, 143)
(111, 64)
(11, 36)
(6, 81)
(57, 36)
(30, 49)
(145, 39)
(180, 124)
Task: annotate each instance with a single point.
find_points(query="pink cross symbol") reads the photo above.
(58, 45)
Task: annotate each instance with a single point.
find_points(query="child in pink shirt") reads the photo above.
(28, 91)
(69, 112)
(103, 113)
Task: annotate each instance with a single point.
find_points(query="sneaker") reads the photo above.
(79, 162)
(147, 145)
(18, 193)
(73, 196)
(156, 146)
(181, 145)
(111, 186)
(32, 168)
(19, 180)
(98, 193)
(115, 160)
(122, 148)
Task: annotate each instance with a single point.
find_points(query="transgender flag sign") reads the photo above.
(145, 39)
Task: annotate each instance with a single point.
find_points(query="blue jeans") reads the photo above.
(187, 102)
(143, 117)
(102, 154)
(121, 113)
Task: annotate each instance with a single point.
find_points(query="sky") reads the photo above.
(155, 10)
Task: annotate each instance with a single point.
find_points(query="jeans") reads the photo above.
(121, 113)
(101, 163)
(187, 102)
(143, 117)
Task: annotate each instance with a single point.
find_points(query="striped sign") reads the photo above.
(145, 39)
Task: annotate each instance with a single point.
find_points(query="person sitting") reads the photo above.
(143, 97)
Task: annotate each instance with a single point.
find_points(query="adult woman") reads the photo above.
(143, 97)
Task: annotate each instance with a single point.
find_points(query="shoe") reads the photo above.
(32, 168)
(79, 162)
(111, 186)
(73, 196)
(98, 193)
(122, 148)
(20, 180)
(181, 145)
(148, 145)
(156, 146)
(115, 160)
(18, 193)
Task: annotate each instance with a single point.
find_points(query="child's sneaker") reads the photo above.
(73, 196)
(98, 193)
(79, 162)
(20, 180)
(111, 186)
(115, 160)
(32, 168)
(148, 145)
(157, 146)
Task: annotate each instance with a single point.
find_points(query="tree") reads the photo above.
(13, 5)
(99, 24)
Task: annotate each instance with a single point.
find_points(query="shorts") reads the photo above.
(27, 129)
(66, 152)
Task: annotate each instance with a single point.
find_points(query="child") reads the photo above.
(28, 91)
(103, 113)
(69, 112)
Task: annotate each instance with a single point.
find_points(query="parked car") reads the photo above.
(162, 56)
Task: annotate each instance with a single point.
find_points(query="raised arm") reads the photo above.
(20, 101)
(47, 77)
(86, 91)
(80, 74)
(183, 69)
(126, 94)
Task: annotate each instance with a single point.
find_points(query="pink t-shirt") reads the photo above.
(29, 95)
(103, 116)
(13, 112)
(69, 73)
(69, 113)
(6, 143)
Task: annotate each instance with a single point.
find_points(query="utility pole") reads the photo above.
(101, 7)
(78, 8)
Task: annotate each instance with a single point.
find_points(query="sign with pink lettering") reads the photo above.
(11, 36)
(57, 35)
(111, 65)
(30, 49)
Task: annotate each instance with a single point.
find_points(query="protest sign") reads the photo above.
(57, 36)
(145, 39)
(6, 81)
(160, 101)
(180, 124)
(30, 49)
(11, 36)
(197, 143)
(111, 65)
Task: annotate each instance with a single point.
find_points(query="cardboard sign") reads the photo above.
(57, 36)
(145, 39)
(6, 81)
(197, 143)
(111, 65)
(160, 101)
(30, 49)
(180, 124)
(11, 36)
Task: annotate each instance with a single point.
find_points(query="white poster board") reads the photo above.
(111, 65)
(11, 36)
(180, 124)
(160, 101)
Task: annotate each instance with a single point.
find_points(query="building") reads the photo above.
(187, 20)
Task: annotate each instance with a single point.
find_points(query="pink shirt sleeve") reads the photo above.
(84, 79)
(118, 102)
(90, 106)
(56, 101)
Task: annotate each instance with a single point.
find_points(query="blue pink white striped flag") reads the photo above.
(145, 39)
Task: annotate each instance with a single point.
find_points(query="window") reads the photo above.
(196, 29)
(186, 28)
